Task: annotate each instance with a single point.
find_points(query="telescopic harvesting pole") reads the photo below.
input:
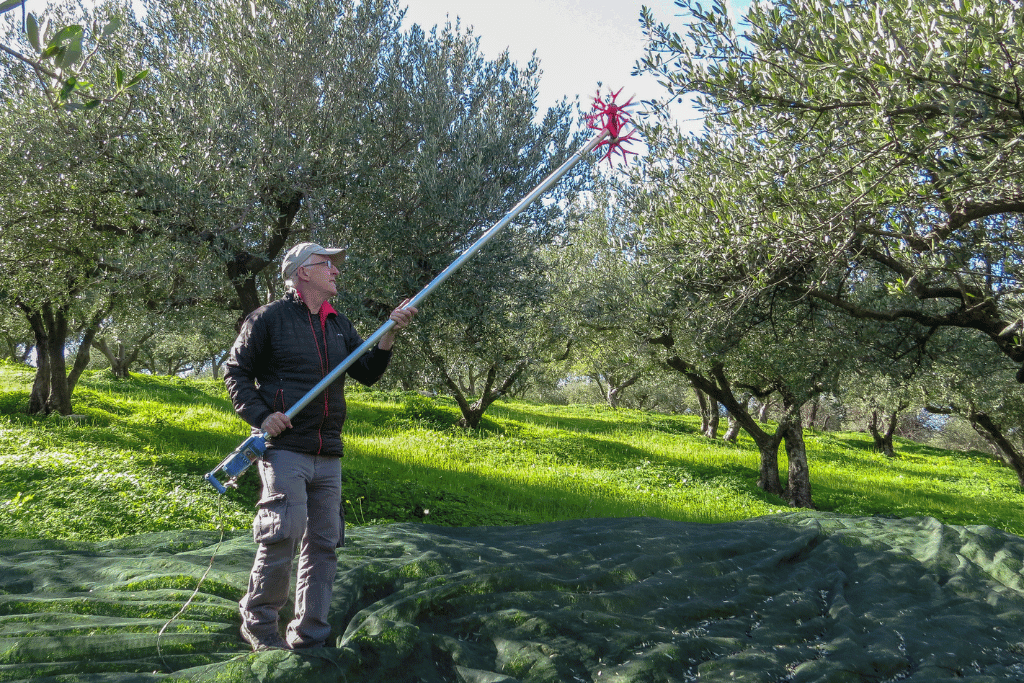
(608, 119)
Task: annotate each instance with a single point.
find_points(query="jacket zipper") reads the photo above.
(323, 373)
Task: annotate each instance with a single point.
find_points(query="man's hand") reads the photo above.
(401, 316)
(275, 424)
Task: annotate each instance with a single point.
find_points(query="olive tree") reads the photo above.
(480, 147)
(588, 275)
(885, 139)
(326, 122)
(62, 57)
(270, 125)
(69, 250)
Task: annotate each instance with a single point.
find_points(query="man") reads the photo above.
(282, 351)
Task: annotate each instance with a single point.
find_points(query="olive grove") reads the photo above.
(252, 127)
(854, 191)
(880, 145)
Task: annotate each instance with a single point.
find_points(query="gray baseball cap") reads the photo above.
(298, 254)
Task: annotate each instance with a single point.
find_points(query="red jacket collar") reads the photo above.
(326, 309)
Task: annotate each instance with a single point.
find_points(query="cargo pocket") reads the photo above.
(271, 523)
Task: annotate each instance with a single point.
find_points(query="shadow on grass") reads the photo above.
(143, 427)
(180, 449)
(539, 501)
(902, 447)
(605, 423)
(171, 389)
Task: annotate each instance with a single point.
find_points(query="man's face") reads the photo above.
(320, 273)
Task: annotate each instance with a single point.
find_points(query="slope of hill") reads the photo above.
(132, 462)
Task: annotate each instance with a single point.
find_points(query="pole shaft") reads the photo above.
(544, 186)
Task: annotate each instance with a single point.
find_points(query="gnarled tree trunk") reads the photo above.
(798, 485)
(121, 362)
(53, 384)
(616, 387)
(812, 413)
(709, 416)
(41, 381)
(767, 444)
(472, 413)
(883, 439)
(732, 431)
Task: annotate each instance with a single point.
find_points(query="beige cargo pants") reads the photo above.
(301, 502)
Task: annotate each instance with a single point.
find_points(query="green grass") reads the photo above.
(135, 462)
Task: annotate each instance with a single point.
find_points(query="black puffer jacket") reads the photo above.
(281, 352)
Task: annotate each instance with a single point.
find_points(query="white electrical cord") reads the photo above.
(220, 520)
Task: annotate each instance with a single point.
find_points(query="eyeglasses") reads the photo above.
(328, 263)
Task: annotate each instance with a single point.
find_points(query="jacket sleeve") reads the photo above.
(242, 369)
(370, 368)
(371, 365)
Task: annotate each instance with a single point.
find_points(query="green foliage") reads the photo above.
(135, 465)
(62, 184)
(594, 291)
(261, 125)
(61, 59)
(858, 154)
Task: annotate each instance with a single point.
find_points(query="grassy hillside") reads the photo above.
(134, 463)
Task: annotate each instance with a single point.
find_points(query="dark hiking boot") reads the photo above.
(273, 641)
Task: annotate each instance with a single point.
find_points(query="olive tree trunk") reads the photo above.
(883, 438)
(473, 412)
(709, 416)
(53, 385)
(798, 485)
(767, 444)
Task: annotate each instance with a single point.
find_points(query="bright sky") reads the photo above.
(578, 42)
